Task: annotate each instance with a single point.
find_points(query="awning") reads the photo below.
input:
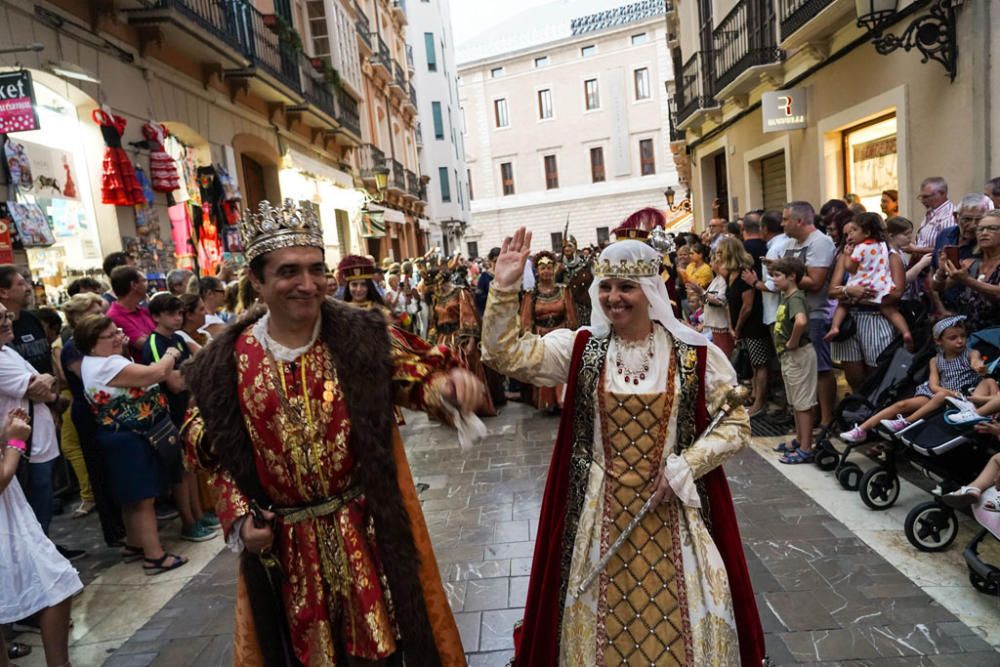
(372, 224)
(312, 165)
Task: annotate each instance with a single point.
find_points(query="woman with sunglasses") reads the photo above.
(979, 277)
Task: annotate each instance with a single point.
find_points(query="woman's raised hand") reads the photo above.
(509, 267)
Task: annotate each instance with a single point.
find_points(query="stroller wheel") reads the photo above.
(879, 489)
(825, 459)
(931, 526)
(849, 476)
(983, 585)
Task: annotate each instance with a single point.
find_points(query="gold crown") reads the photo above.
(628, 270)
(272, 228)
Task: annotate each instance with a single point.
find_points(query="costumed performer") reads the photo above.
(295, 419)
(358, 274)
(641, 386)
(455, 323)
(576, 273)
(546, 308)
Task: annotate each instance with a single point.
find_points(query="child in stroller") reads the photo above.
(951, 371)
(990, 476)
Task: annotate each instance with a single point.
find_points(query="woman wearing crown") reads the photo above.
(455, 322)
(544, 309)
(640, 388)
(296, 421)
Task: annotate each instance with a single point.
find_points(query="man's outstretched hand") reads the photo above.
(464, 391)
(514, 253)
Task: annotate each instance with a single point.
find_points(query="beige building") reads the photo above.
(564, 116)
(299, 99)
(865, 121)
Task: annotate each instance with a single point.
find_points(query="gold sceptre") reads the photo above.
(735, 397)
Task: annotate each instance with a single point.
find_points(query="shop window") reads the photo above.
(596, 164)
(870, 160)
(647, 160)
(551, 173)
(507, 177)
(592, 99)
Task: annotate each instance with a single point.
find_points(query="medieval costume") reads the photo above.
(455, 324)
(678, 592)
(543, 312)
(576, 273)
(356, 267)
(310, 436)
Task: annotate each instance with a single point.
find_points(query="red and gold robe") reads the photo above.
(336, 589)
(540, 314)
(455, 323)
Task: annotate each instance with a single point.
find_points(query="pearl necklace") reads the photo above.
(633, 375)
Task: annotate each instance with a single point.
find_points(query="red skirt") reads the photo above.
(119, 186)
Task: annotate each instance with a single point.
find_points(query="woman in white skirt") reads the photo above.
(34, 578)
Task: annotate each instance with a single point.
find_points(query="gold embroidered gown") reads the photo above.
(455, 324)
(542, 313)
(664, 599)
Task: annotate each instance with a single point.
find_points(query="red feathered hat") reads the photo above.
(639, 224)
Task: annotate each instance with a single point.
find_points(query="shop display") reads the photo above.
(18, 165)
(147, 187)
(32, 227)
(69, 187)
(180, 232)
(162, 168)
(6, 240)
(119, 186)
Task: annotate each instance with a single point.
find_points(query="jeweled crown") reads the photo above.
(640, 268)
(274, 227)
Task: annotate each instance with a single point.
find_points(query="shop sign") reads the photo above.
(784, 110)
(17, 103)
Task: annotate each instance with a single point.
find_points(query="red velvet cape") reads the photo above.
(537, 640)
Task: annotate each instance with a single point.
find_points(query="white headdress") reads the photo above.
(637, 261)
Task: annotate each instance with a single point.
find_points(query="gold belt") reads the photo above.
(291, 515)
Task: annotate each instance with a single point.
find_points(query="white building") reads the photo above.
(566, 119)
(439, 138)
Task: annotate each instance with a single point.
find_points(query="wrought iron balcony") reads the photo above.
(676, 135)
(316, 90)
(381, 57)
(347, 112)
(412, 184)
(420, 135)
(397, 176)
(743, 39)
(409, 58)
(793, 14)
(370, 158)
(364, 27)
(413, 95)
(695, 86)
(400, 76)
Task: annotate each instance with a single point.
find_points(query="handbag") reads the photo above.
(740, 359)
(164, 437)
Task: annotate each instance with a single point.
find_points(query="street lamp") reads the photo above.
(932, 34)
(381, 180)
(669, 194)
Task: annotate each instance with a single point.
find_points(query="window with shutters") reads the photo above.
(640, 79)
(772, 181)
(592, 99)
(431, 52)
(551, 173)
(544, 104)
(500, 113)
(596, 164)
(507, 177)
(647, 162)
(445, 184)
(438, 120)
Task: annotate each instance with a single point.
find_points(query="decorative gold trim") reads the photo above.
(625, 269)
(273, 228)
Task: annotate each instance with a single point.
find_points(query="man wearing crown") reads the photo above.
(296, 421)
(641, 387)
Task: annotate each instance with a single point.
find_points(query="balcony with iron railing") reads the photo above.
(364, 27)
(794, 14)
(347, 112)
(412, 98)
(370, 158)
(409, 58)
(412, 185)
(397, 176)
(676, 136)
(744, 39)
(315, 89)
(399, 77)
(420, 135)
(380, 59)
(694, 87)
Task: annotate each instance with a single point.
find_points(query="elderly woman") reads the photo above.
(979, 301)
(194, 312)
(126, 399)
(641, 386)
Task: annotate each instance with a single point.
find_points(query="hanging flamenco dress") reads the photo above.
(119, 186)
(162, 168)
(69, 189)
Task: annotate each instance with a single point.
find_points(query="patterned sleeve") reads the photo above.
(539, 360)
(419, 372)
(468, 318)
(726, 440)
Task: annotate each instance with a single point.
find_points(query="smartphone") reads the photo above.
(951, 254)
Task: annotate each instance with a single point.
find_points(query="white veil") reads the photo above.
(652, 287)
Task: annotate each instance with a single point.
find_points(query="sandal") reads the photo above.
(17, 650)
(786, 448)
(158, 564)
(796, 457)
(131, 554)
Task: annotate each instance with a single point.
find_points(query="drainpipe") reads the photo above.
(979, 54)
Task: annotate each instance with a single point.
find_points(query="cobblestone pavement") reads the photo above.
(825, 596)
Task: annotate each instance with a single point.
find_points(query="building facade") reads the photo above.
(272, 100)
(440, 138)
(568, 132)
(777, 100)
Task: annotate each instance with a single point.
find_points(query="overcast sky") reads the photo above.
(472, 17)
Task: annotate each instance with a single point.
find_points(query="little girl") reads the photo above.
(951, 372)
(868, 267)
(696, 318)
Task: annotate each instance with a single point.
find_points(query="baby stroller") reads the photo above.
(947, 455)
(984, 577)
(897, 373)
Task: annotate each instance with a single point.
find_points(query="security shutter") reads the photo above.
(772, 178)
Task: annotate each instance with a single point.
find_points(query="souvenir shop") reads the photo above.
(77, 188)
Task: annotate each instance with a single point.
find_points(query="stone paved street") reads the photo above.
(826, 597)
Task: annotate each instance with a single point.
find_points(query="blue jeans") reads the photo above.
(39, 492)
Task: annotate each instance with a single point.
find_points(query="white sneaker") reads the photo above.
(895, 425)
(961, 403)
(965, 496)
(856, 434)
(957, 417)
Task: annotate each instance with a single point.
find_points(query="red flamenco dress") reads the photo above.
(119, 186)
(162, 168)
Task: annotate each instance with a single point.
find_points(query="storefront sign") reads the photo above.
(784, 110)
(17, 103)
